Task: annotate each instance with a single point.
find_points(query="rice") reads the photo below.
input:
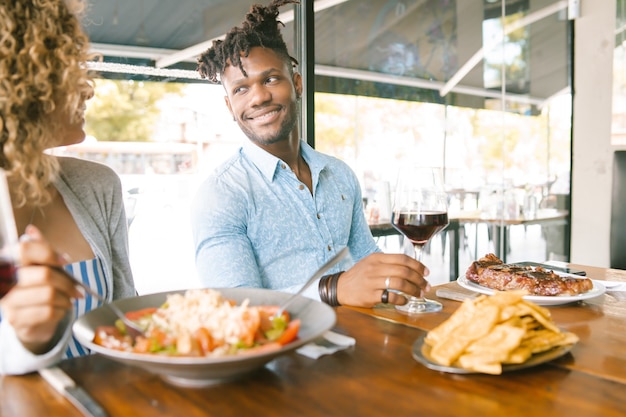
(227, 323)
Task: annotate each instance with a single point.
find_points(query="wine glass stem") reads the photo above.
(418, 252)
(418, 257)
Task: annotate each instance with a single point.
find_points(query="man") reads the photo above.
(277, 210)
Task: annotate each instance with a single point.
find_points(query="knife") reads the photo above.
(455, 295)
(66, 386)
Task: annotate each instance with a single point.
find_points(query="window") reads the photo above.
(478, 87)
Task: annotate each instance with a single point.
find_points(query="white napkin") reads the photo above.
(330, 342)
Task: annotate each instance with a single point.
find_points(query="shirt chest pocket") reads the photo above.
(335, 214)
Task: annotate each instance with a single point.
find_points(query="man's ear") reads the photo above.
(297, 83)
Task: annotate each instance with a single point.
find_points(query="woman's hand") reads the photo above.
(42, 297)
(364, 283)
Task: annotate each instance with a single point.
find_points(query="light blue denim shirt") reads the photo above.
(256, 225)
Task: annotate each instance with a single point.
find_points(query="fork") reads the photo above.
(132, 328)
(317, 275)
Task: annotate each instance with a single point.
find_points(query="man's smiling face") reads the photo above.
(264, 103)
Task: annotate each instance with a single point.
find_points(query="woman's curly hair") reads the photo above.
(260, 28)
(43, 50)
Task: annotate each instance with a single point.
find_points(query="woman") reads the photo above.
(71, 205)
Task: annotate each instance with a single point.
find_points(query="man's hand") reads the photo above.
(364, 283)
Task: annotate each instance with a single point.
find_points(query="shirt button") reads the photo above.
(283, 166)
(301, 187)
(329, 248)
(318, 216)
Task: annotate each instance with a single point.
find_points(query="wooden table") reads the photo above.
(377, 377)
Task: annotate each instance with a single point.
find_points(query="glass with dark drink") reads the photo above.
(420, 210)
(7, 276)
(8, 239)
(420, 227)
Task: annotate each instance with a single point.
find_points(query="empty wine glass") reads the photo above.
(420, 210)
(8, 239)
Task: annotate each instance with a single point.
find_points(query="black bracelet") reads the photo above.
(333, 289)
(328, 289)
(323, 288)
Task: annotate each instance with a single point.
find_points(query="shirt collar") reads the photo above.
(268, 163)
(313, 158)
(263, 160)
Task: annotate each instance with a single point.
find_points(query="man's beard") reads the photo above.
(284, 132)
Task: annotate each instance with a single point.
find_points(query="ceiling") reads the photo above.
(160, 40)
(164, 37)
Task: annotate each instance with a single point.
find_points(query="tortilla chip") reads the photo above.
(487, 332)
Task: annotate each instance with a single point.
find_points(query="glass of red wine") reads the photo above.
(8, 239)
(420, 210)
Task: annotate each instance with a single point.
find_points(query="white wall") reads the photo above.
(592, 151)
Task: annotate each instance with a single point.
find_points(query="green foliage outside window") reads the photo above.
(126, 111)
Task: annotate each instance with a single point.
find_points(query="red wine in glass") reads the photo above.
(419, 227)
(8, 239)
(8, 277)
(420, 210)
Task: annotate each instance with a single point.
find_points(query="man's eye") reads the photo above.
(271, 80)
(239, 90)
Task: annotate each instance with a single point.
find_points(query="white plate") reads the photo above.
(553, 300)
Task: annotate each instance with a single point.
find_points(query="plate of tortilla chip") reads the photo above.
(494, 334)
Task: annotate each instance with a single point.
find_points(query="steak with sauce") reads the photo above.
(491, 272)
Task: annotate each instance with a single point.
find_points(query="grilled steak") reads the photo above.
(491, 272)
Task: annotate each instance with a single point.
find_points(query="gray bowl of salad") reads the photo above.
(199, 337)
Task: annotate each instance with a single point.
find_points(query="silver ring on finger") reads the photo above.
(385, 297)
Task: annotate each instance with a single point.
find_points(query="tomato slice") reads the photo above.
(290, 333)
(142, 345)
(267, 313)
(139, 314)
(205, 340)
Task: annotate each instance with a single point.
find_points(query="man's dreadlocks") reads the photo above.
(260, 28)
